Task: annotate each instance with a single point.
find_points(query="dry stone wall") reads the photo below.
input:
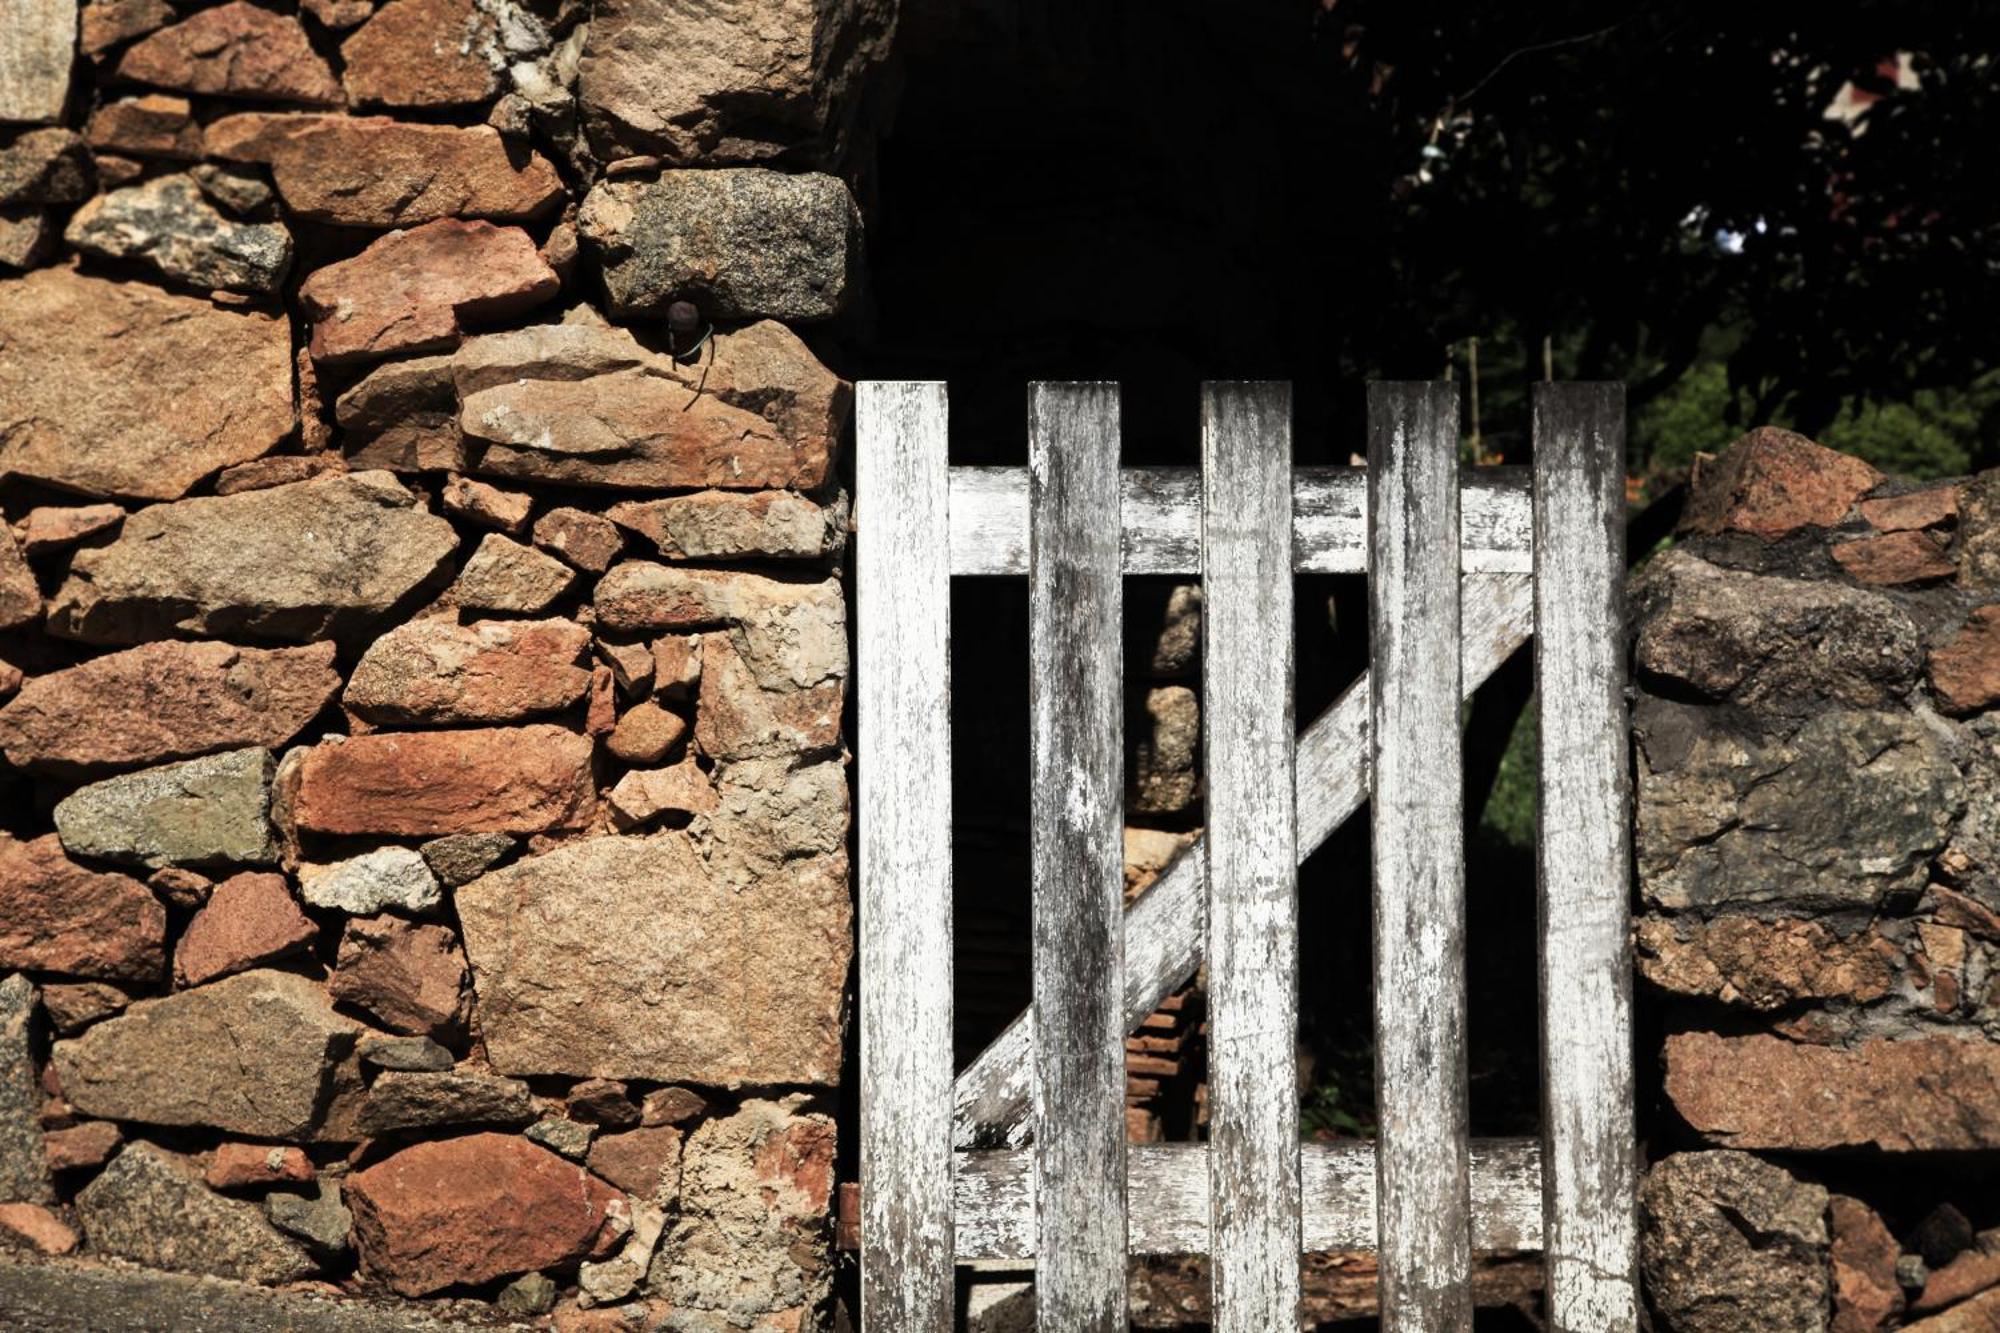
(1817, 745)
(424, 810)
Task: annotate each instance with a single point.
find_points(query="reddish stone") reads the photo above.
(162, 701)
(410, 978)
(1969, 1273)
(156, 125)
(10, 679)
(588, 541)
(1928, 1094)
(472, 1209)
(243, 1165)
(1863, 1261)
(423, 53)
(36, 1225)
(339, 15)
(646, 793)
(108, 23)
(604, 1102)
(1981, 1314)
(1896, 558)
(250, 919)
(1772, 482)
(20, 595)
(1933, 508)
(129, 410)
(82, 1147)
(370, 171)
(491, 780)
(412, 291)
(73, 1006)
(182, 887)
(261, 474)
(1954, 909)
(602, 716)
(52, 527)
(235, 50)
(436, 671)
(488, 506)
(646, 734)
(645, 1163)
(58, 916)
(677, 666)
(1763, 964)
(1966, 671)
(670, 1106)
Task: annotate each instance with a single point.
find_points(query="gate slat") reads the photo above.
(1162, 520)
(903, 595)
(1077, 767)
(1584, 850)
(1252, 855)
(1423, 1181)
(1169, 1198)
(1165, 929)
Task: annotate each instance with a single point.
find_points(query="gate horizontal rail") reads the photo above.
(1023, 1155)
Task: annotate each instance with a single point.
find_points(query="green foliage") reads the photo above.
(1932, 433)
(1510, 810)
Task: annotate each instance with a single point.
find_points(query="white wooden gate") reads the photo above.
(1023, 1155)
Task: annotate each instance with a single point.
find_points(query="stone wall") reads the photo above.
(1817, 743)
(422, 655)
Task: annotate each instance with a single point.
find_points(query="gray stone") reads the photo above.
(81, 1297)
(27, 236)
(1732, 1244)
(571, 1138)
(403, 1101)
(412, 1054)
(749, 1239)
(386, 879)
(736, 81)
(460, 858)
(578, 971)
(722, 525)
(1849, 809)
(24, 1166)
(503, 575)
(1778, 645)
(616, 1278)
(37, 47)
(321, 1220)
(249, 1054)
(528, 1294)
(208, 811)
(151, 1206)
(46, 167)
(232, 565)
(168, 224)
(741, 244)
(238, 189)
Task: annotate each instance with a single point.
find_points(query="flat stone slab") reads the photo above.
(224, 566)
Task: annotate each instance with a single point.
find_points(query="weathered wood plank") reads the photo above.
(1585, 858)
(1169, 1198)
(1077, 773)
(1165, 929)
(1423, 1190)
(903, 727)
(1252, 852)
(1162, 521)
